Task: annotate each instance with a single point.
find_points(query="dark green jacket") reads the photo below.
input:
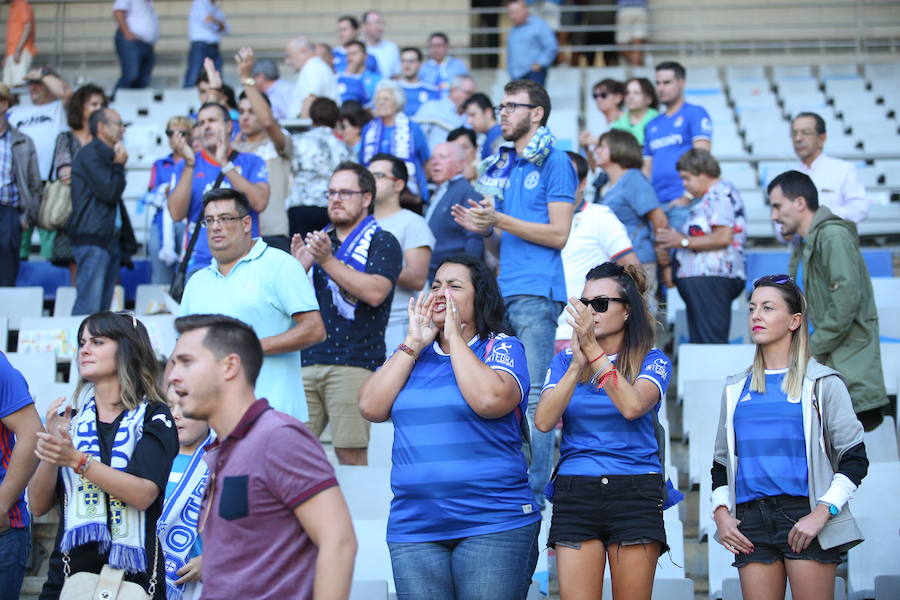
(842, 307)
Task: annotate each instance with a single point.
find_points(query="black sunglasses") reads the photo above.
(171, 132)
(776, 279)
(600, 95)
(600, 304)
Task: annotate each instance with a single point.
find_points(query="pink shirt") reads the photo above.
(253, 544)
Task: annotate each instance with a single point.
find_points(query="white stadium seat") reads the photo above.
(19, 302)
(37, 367)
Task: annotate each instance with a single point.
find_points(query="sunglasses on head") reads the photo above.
(776, 279)
(600, 304)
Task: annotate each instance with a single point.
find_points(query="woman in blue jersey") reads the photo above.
(463, 522)
(789, 455)
(608, 489)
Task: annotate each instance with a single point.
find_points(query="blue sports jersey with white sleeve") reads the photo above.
(666, 139)
(596, 439)
(206, 171)
(417, 94)
(769, 442)
(456, 474)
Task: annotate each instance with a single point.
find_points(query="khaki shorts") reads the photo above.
(332, 394)
(631, 24)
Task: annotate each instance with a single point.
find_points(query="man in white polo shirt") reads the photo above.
(137, 33)
(263, 287)
(836, 181)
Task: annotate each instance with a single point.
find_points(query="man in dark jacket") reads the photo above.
(830, 269)
(20, 190)
(101, 233)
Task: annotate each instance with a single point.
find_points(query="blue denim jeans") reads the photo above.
(534, 320)
(494, 566)
(198, 53)
(95, 281)
(539, 77)
(14, 545)
(136, 59)
(160, 272)
(10, 241)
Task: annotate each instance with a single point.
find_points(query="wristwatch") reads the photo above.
(685, 242)
(249, 82)
(229, 166)
(832, 509)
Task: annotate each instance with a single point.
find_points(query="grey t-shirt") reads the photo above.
(411, 231)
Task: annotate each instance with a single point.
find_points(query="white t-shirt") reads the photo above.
(839, 187)
(411, 231)
(141, 18)
(315, 78)
(387, 54)
(597, 236)
(42, 123)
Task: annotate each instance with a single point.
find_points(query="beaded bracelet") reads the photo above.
(407, 350)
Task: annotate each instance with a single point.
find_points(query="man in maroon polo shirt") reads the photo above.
(274, 522)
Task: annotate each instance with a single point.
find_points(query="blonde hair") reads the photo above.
(180, 123)
(798, 355)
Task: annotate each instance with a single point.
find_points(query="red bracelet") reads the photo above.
(602, 354)
(611, 374)
(79, 469)
(407, 350)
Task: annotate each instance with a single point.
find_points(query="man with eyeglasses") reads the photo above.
(836, 180)
(529, 192)
(99, 228)
(199, 172)
(355, 265)
(413, 235)
(263, 287)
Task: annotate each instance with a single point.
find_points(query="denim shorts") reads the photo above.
(615, 509)
(766, 522)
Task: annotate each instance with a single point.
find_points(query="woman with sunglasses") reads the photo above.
(608, 489)
(105, 459)
(165, 240)
(789, 454)
(463, 521)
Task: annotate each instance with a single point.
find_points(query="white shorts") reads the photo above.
(631, 24)
(14, 73)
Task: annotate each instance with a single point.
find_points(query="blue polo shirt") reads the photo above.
(264, 289)
(456, 474)
(206, 171)
(632, 198)
(358, 86)
(440, 75)
(525, 267)
(666, 139)
(14, 396)
(596, 439)
(770, 444)
(417, 94)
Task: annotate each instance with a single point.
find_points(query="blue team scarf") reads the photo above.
(403, 145)
(177, 525)
(493, 172)
(354, 252)
(122, 534)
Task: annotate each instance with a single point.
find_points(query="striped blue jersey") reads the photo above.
(596, 438)
(769, 443)
(456, 474)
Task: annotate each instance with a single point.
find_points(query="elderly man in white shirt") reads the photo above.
(315, 79)
(386, 52)
(206, 26)
(138, 31)
(836, 180)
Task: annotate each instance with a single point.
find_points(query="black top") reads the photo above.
(360, 342)
(152, 460)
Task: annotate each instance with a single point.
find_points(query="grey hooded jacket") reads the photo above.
(831, 428)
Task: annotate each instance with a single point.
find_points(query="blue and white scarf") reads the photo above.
(177, 525)
(354, 252)
(494, 171)
(403, 145)
(122, 531)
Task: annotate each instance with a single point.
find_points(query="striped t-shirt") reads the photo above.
(769, 442)
(456, 474)
(596, 438)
